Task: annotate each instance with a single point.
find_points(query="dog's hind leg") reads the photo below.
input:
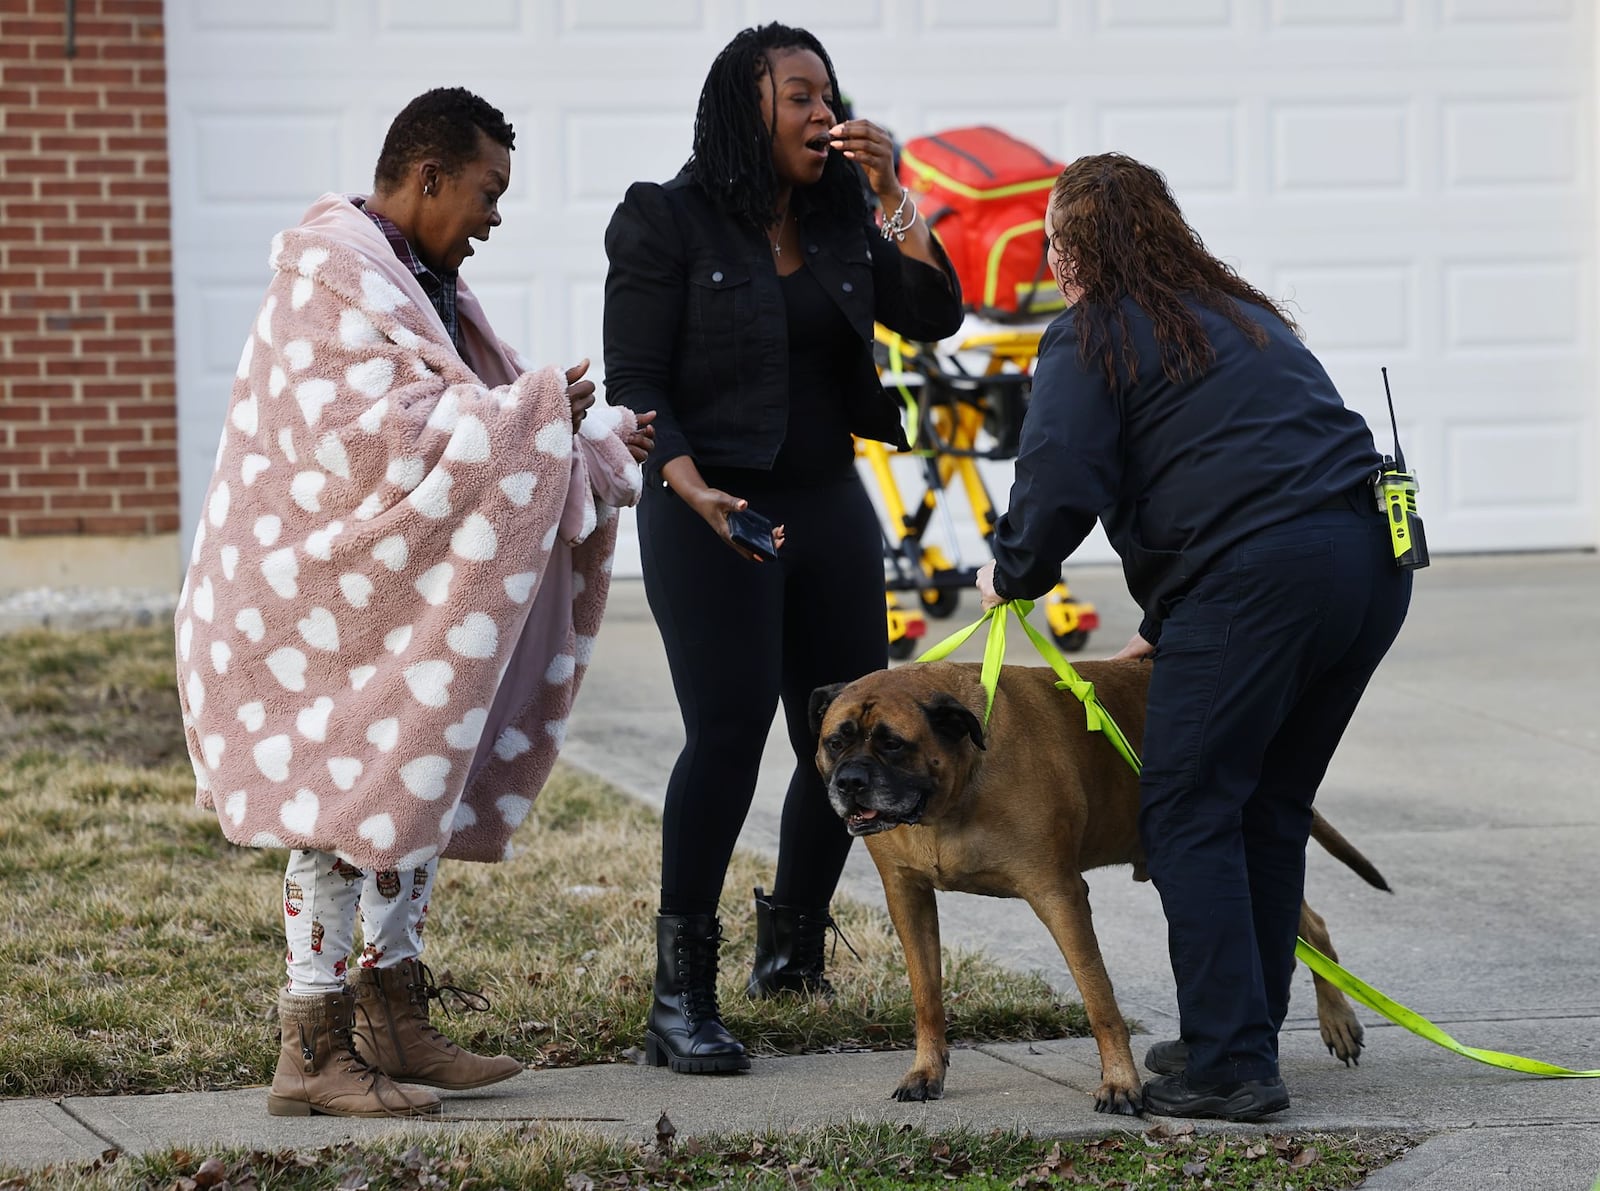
(915, 913)
(1065, 911)
(1341, 1032)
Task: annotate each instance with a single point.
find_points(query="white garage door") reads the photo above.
(1416, 175)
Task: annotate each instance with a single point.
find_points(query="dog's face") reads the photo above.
(889, 746)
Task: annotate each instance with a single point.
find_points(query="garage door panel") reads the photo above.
(1416, 176)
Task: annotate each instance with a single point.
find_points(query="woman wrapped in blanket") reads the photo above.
(401, 563)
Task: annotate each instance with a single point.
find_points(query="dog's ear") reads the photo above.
(821, 699)
(952, 719)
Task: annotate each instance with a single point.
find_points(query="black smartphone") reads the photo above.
(751, 530)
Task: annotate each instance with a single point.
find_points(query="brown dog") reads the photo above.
(1020, 811)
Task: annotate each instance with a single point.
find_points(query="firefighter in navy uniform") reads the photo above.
(1176, 403)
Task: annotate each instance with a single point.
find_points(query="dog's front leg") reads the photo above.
(1066, 912)
(915, 912)
(1341, 1031)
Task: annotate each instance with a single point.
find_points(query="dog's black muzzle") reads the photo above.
(867, 802)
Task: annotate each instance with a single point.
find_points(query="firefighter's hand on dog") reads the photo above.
(1136, 648)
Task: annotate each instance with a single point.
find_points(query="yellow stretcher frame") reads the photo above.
(945, 417)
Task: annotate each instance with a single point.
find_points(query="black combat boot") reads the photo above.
(684, 1030)
(789, 951)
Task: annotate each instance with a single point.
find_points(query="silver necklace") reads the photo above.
(777, 246)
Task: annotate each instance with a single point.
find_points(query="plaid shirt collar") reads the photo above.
(440, 287)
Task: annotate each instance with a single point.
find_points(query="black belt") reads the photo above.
(1357, 499)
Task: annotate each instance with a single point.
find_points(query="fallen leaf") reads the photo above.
(211, 1173)
(1304, 1158)
(665, 1132)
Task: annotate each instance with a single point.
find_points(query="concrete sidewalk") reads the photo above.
(1467, 777)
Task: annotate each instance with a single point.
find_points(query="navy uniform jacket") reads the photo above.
(1177, 473)
(695, 324)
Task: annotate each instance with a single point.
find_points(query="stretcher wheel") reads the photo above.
(940, 602)
(1072, 642)
(902, 647)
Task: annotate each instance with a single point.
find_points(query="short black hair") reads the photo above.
(442, 123)
(732, 160)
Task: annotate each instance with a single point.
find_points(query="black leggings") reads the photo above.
(739, 636)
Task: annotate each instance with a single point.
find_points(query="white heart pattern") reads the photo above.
(425, 776)
(246, 416)
(512, 744)
(221, 654)
(217, 507)
(466, 733)
(212, 748)
(356, 589)
(519, 488)
(384, 734)
(252, 716)
(430, 682)
(371, 378)
(392, 552)
(230, 561)
(269, 527)
(360, 676)
(333, 457)
(432, 496)
(474, 637)
(519, 587)
(406, 473)
(312, 395)
(288, 666)
(282, 571)
(513, 808)
(272, 757)
(312, 722)
(248, 621)
(378, 831)
(344, 771)
(475, 539)
(204, 599)
(250, 471)
(396, 640)
(434, 583)
(469, 443)
(235, 806)
(320, 630)
(306, 490)
(300, 816)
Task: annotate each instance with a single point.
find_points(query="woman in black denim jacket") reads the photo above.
(739, 305)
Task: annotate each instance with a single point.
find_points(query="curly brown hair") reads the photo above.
(1117, 227)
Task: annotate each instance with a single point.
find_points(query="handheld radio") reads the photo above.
(1396, 491)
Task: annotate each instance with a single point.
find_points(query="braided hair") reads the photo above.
(442, 123)
(732, 158)
(1120, 228)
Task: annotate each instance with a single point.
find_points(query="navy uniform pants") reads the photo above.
(1257, 672)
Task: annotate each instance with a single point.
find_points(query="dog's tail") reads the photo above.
(1342, 849)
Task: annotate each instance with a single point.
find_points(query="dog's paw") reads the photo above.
(1342, 1035)
(917, 1087)
(1121, 1102)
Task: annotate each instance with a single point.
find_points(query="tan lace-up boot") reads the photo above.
(319, 1070)
(393, 1032)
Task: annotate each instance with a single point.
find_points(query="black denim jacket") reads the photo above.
(695, 326)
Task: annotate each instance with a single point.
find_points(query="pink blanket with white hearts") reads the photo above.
(399, 571)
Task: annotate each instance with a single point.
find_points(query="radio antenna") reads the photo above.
(1399, 455)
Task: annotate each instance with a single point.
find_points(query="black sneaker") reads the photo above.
(1245, 1100)
(1168, 1058)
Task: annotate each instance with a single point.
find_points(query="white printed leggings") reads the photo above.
(321, 896)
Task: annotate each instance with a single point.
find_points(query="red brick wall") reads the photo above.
(88, 410)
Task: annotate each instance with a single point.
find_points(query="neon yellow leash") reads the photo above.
(1099, 720)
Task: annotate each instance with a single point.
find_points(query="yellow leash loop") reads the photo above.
(1099, 720)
